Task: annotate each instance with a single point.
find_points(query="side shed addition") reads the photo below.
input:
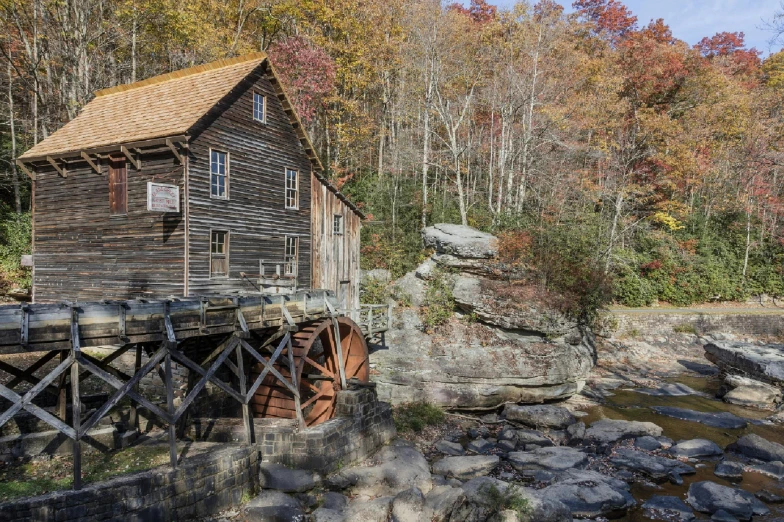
(194, 183)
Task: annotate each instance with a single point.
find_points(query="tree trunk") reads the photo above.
(12, 121)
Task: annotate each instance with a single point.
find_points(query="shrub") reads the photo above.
(510, 498)
(15, 240)
(439, 302)
(415, 416)
(373, 291)
(685, 328)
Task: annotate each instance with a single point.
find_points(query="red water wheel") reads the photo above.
(318, 374)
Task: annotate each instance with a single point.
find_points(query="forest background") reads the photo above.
(614, 161)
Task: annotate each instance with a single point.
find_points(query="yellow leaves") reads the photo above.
(667, 221)
(773, 69)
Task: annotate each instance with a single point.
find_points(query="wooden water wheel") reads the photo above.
(316, 361)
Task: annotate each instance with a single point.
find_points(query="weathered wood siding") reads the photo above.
(82, 252)
(335, 257)
(255, 213)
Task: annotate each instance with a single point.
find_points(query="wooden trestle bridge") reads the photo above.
(288, 356)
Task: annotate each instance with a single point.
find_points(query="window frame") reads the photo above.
(225, 197)
(338, 218)
(286, 189)
(263, 98)
(286, 263)
(226, 252)
(112, 194)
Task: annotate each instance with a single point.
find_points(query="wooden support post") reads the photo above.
(134, 415)
(295, 384)
(62, 391)
(247, 420)
(170, 404)
(76, 401)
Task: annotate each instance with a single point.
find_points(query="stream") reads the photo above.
(631, 405)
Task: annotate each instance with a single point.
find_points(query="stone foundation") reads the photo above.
(215, 481)
(764, 323)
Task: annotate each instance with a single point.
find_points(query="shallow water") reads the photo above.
(631, 405)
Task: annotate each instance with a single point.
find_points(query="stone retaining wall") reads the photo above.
(209, 483)
(757, 324)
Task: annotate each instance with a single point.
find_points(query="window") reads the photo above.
(259, 107)
(290, 256)
(337, 225)
(219, 174)
(118, 187)
(292, 188)
(219, 253)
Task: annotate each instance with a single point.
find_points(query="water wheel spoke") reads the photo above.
(322, 393)
(314, 388)
(318, 366)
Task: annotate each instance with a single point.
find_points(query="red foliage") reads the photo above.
(732, 46)
(307, 71)
(659, 31)
(479, 11)
(547, 9)
(650, 267)
(611, 17)
(514, 247)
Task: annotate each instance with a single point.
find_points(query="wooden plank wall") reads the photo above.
(82, 252)
(255, 213)
(335, 257)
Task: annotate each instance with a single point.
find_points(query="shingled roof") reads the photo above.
(154, 108)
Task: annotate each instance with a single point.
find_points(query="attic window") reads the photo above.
(292, 188)
(219, 174)
(259, 107)
(337, 225)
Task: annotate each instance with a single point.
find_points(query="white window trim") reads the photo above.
(228, 174)
(227, 247)
(342, 224)
(264, 108)
(285, 189)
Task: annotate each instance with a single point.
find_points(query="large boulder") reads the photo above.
(660, 507)
(709, 497)
(612, 430)
(658, 468)
(540, 416)
(460, 241)
(394, 468)
(477, 365)
(483, 493)
(760, 362)
(751, 393)
(556, 458)
(756, 447)
(589, 494)
(696, 448)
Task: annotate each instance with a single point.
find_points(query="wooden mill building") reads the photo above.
(194, 183)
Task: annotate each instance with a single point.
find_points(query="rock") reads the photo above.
(696, 448)
(334, 501)
(771, 469)
(751, 393)
(465, 468)
(507, 434)
(281, 478)
(723, 420)
(394, 468)
(660, 507)
(507, 446)
(364, 510)
(444, 502)
(576, 433)
(410, 289)
(647, 443)
(425, 270)
(539, 509)
(760, 362)
(480, 446)
(756, 447)
(454, 371)
(323, 514)
(608, 430)
(658, 468)
(675, 478)
(558, 458)
(377, 274)
(478, 432)
(723, 516)
(460, 241)
(525, 437)
(589, 495)
(449, 448)
(729, 470)
(409, 506)
(769, 497)
(539, 416)
(274, 506)
(709, 497)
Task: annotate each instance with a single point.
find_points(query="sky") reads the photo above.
(690, 20)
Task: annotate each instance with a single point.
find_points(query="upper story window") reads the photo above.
(292, 188)
(118, 187)
(219, 174)
(219, 253)
(259, 107)
(337, 225)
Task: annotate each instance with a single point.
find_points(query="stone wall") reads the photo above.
(209, 483)
(757, 324)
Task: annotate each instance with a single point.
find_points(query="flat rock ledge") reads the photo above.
(466, 468)
(608, 430)
(760, 362)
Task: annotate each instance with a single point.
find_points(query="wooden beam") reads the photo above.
(23, 168)
(60, 170)
(86, 157)
(174, 150)
(109, 148)
(136, 163)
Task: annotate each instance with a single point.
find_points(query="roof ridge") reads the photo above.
(190, 71)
